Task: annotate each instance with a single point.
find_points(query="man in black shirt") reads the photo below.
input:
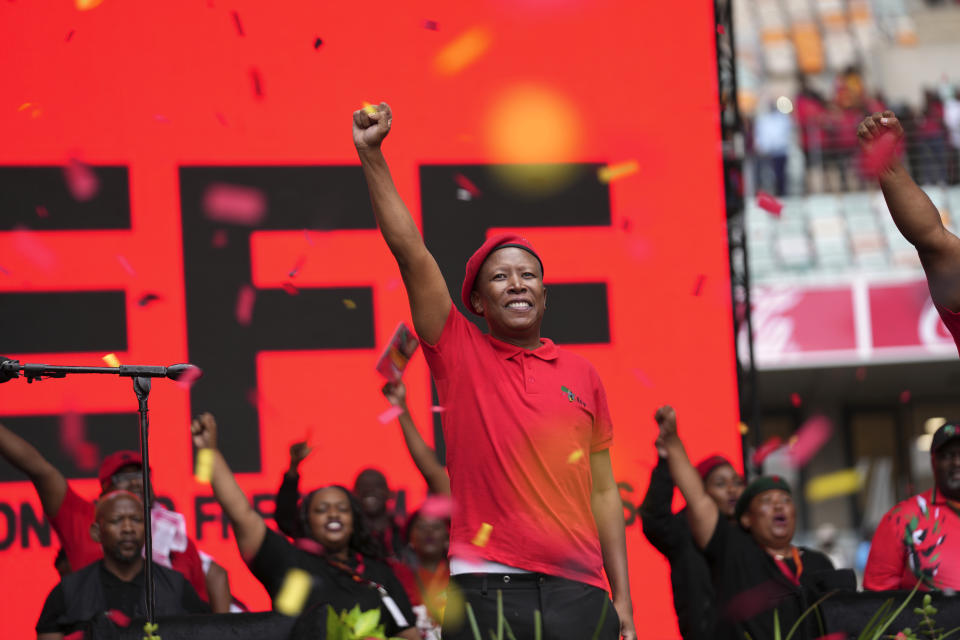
(115, 583)
(693, 597)
(756, 569)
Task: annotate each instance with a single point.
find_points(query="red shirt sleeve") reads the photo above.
(188, 563)
(602, 423)
(72, 524)
(885, 563)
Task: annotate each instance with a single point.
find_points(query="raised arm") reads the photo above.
(702, 511)
(608, 515)
(285, 511)
(913, 212)
(660, 525)
(430, 301)
(50, 484)
(248, 526)
(423, 456)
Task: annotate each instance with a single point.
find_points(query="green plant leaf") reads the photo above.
(499, 635)
(776, 625)
(537, 625)
(796, 625)
(893, 616)
(603, 618)
(473, 622)
(366, 623)
(874, 620)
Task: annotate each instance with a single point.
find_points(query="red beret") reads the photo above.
(480, 255)
(115, 461)
(705, 466)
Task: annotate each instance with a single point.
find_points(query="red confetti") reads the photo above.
(879, 154)
(76, 635)
(161, 118)
(765, 450)
(73, 441)
(393, 283)
(236, 21)
(437, 507)
(431, 25)
(126, 266)
(905, 396)
(390, 414)
(755, 600)
(118, 618)
(257, 86)
(464, 183)
(188, 377)
(235, 204)
(699, 286)
(147, 298)
(306, 235)
(81, 180)
(4, 271)
(721, 29)
(28, 244)
(836, 635)
(437, 409)
(41, 211)
(796, 400)
(221, 119)
(245, 299)
(219, 239)
(302, 260)
(768, 203)
(317, 43)
(642, 377)
(290, 289)
(810, 438)
(70, 35)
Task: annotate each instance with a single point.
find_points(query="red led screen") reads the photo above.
(164, 99)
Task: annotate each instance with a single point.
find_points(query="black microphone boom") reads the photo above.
(10, 369)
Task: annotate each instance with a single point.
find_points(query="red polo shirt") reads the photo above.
(919, 539)
(519, 427)
(72, 524)
(952, 322)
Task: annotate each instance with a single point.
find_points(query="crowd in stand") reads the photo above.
(735, 568)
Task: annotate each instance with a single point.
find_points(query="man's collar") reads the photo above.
(546, 351)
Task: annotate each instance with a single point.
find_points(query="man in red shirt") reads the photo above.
(916, 216)
(537, 513)
(919, 539)
(71, 516)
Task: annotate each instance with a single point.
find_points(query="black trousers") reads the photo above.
(569, 610)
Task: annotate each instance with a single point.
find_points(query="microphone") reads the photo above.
(9, 369)
(178, 371)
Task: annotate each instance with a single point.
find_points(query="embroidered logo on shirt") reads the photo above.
(571, 396)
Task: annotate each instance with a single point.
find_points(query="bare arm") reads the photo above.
(430, 301)
(218, 588)
(49, 482)
(248, 526)
(410, 634)
(423, 456)
(49, 636)
(916, 216)
(702, 511)
(608, 515)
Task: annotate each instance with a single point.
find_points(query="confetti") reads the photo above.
(721, 29)
(575, 456)
(389, 414)
(754, 601)
(483, 535)
(462, 51)
(86, 5)
(73, 441)
(613, 172)
(810, 438)
(437, 409)
(28, 244)
(744, 429)
(118, 617)
(126, 266)
(833, 485)
(219, 239)
(290, 289)
(236, 21)
(111, 359)
(880, 154)
(235, 204)
(437, 507)
(464, 183)
(431, 25)
(220, 118)
(768, 203)
(349, 304)
(836, 635)
(699, 286)
(317, 43)
(159, 117)
(796, 400)
(4, 271)
(368, 108)
(257, 86)
(302, 260)
(393, 283)
(203, 468)
(70, 35)
(188, 377)
(306, 236)
(41, 211)
(765, 450)
(147, 298)
(245, 300)
(642, 377)
(81, 180)
(904, 396)
(293, 593)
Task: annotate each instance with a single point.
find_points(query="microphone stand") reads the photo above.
(141, 374)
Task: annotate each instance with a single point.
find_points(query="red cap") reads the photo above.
(480, 256)
(705, 466)
(115, 461)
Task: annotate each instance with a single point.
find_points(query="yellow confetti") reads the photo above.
(293, 593)
(203, 470)
(462, 51)
(369, 108)
(575, 456)
(483, 535)
(25, 105)
(349, 304)
(112, 360)
(86, 5)
(744, 429)
(832, 485)
(616, 171)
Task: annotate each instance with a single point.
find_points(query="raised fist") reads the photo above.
(299, 452)
(396, 393)
(369, 129)
(204, 431)
(874, 126)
